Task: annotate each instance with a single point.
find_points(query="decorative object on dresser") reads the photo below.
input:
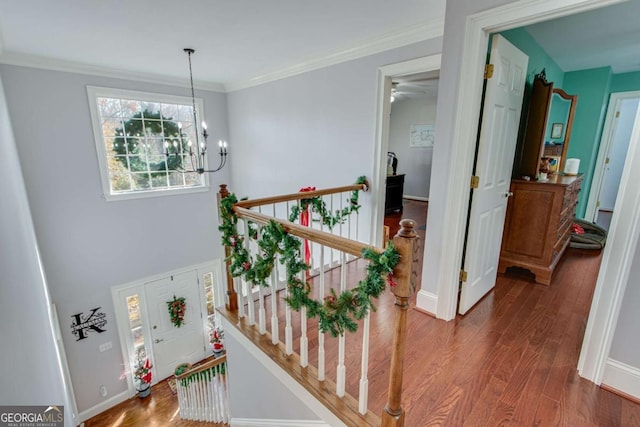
(537, 229)
(548, 128)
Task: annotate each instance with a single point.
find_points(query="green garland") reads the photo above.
(177, 308)
(319, 206)
(336, 313)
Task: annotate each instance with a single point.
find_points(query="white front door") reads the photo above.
(496, 150)
(175, 345)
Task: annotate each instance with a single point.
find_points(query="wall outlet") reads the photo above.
(106, 346)
(103, 391)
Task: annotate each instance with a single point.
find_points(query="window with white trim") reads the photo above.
(132, 132)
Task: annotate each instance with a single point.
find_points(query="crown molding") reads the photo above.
(416, 33)
(45, 63)
(413, 34)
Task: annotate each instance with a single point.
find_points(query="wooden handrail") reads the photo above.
(299, 196)
(205, 366)
(336, 242)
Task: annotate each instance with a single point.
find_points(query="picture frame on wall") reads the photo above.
(421, 136)
(556, 130)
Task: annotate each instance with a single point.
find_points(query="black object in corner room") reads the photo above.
(392, 162)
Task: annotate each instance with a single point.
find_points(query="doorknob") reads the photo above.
(157, 341)
(508, 194)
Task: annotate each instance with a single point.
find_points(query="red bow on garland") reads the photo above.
(304, 220)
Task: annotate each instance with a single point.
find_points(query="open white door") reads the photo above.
(174, 345)
(496, 150)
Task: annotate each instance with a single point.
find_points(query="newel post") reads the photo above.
(231, 303)
(404, 274)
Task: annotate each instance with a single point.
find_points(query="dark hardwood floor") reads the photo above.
(511, 361)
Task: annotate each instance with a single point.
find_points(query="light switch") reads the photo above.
(106, 346)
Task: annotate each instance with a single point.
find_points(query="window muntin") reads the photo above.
(132, 130)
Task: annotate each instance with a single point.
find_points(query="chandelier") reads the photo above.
(197, 151)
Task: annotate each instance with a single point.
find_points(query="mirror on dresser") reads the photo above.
(548, 130)
(558, 129)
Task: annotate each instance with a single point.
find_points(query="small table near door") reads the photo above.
(395, 188)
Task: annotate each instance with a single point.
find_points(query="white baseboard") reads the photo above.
(246, 422)
(426, 301)
(103, 406)
(622, 377)
(418, 198)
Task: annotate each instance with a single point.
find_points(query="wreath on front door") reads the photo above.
(177, 308)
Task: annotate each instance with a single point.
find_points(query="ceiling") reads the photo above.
(606, 36)
(241, 42)
(234, 40)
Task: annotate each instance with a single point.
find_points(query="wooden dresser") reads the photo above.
(537, 228)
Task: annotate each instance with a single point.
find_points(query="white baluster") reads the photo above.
(237, 284)
(181, 398)
(249, 286)
(364, 367)
(211, 393)
(332, 231)
(304, 341)
(262, 320)
(288, 331)
(341, 369)
(321, 354)
(275, 332)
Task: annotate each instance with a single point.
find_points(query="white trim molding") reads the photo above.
(44, 63)
(422, 31)
(103, 406)
(622, 377)
(427, 301)
(383, 108)
(416, 33)
(618, 256)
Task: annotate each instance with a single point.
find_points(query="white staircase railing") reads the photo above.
(202, 392)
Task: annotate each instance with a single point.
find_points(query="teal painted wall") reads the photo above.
(592, 87)
(625, 82)
(538, 58)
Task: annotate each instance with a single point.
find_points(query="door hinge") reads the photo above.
(488, 71)
(617, 114)
(598, 204)
(475, 182)
(463, 276)
(606, 162)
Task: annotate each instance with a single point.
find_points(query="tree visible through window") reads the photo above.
(133, 134)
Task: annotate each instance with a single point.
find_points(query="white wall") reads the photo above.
(455, 17)
(89, 244)
(29, 367)
(313, 129)
(254, 392)
(415, 162)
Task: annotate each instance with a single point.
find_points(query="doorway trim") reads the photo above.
(465, 125)
(120, 292)
(605, 145)
(383, 110)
